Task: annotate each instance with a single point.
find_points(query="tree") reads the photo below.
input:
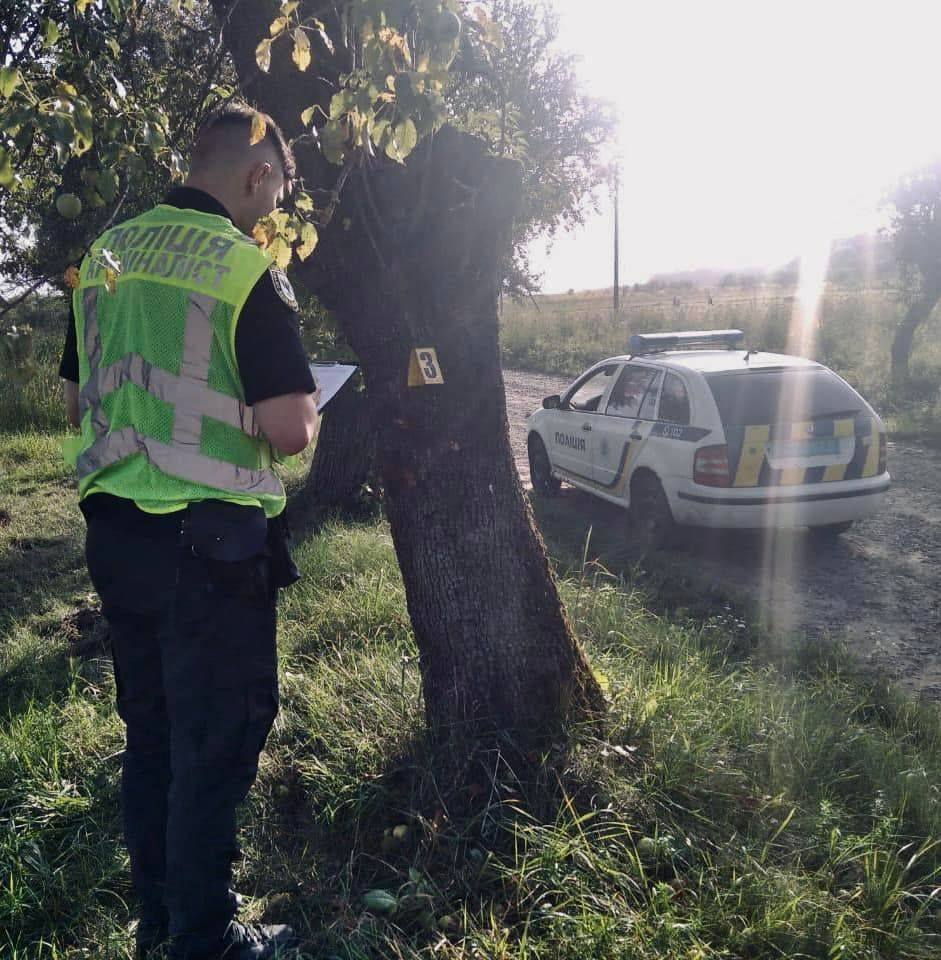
(417, 225)
(413, 257)
(522, 98)
(915, 209)
(98, 106)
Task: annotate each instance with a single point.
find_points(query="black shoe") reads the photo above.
(253, 941)
(151, 938)
(152, 935)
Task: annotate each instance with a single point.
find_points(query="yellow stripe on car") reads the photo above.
(753, 455)
(871, 467)
(837, 471)
(792, 476)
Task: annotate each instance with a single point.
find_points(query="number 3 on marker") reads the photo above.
(429, 367)
(424, 368)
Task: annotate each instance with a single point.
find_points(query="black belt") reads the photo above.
(236, 530)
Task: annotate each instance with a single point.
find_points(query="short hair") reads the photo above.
(234, 117)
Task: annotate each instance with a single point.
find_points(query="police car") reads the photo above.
(692, 429)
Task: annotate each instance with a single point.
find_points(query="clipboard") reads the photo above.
(330, 377)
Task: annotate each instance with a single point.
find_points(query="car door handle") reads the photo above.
(586, 426)
(636, 436)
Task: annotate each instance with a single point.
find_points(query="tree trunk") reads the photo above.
(917, 313)
(412, 259)
(345, 458)
(421, 268)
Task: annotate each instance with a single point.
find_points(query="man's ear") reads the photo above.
(257, 175)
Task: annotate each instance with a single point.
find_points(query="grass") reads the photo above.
(737, 805)
(564, 334)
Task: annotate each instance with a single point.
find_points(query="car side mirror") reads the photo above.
(552, 403)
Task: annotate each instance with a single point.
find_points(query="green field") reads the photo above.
(566, 333)
(739, 804)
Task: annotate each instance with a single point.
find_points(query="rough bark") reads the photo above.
(904, 337)
(345, 459)
(496, 650)
(412, 259)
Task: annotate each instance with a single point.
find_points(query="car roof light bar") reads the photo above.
(641, 343)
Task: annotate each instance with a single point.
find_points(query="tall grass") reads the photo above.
(732, 807)
(31, 395)
(565, 334)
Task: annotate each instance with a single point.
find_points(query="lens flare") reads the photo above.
(784, 550)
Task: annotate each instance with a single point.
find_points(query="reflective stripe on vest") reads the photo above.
(188, 393)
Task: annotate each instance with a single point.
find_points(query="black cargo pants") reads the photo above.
(195, 668)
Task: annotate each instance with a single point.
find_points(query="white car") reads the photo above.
(690, 429)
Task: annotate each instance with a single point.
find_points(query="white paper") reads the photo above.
(330, 378)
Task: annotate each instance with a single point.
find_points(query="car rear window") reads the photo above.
(781, 396)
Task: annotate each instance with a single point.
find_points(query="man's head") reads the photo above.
(250, 180)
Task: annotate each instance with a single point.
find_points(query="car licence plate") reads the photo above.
(796, 449)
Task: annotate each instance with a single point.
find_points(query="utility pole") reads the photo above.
(617, 287)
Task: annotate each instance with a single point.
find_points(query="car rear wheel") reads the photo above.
(652, 520)
(540, 470)
(829, 530)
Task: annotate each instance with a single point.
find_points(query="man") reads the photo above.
(187, 376)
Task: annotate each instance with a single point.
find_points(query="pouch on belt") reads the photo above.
(232, 540)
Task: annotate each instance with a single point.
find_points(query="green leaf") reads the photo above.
(339, 104)
(50, 32)
(7, 176)
(10, 79)
(263, 55)
(301, 53)
(280, 252)
(81, 143)
(403, 141)
(381, 131)
(108, 185)
(308, 241)
(303, 202)
(81, 5)
(307, 116)
(332, 141)
(380, 901)
(259, 129)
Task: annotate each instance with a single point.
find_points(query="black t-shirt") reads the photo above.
(268, 348)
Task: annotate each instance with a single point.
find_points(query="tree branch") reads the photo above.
(8, 305)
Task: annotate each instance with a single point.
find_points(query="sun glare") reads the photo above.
(745, 127)
(805, 314)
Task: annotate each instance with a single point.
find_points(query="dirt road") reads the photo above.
(878, 587)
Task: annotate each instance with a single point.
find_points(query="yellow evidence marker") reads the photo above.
(423, 367)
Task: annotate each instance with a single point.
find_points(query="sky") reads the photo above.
(748, 131)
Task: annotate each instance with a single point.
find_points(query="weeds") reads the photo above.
(737, 806)
(566, 334)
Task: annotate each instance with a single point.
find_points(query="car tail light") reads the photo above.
(883, 454)
(711, 466)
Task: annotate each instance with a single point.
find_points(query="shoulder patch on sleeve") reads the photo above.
(282, 286)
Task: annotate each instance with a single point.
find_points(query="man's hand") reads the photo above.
(71, 402)
(290, 422)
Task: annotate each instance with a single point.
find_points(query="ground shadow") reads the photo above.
(702, 572)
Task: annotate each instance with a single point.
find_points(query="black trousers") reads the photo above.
(195, 667)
